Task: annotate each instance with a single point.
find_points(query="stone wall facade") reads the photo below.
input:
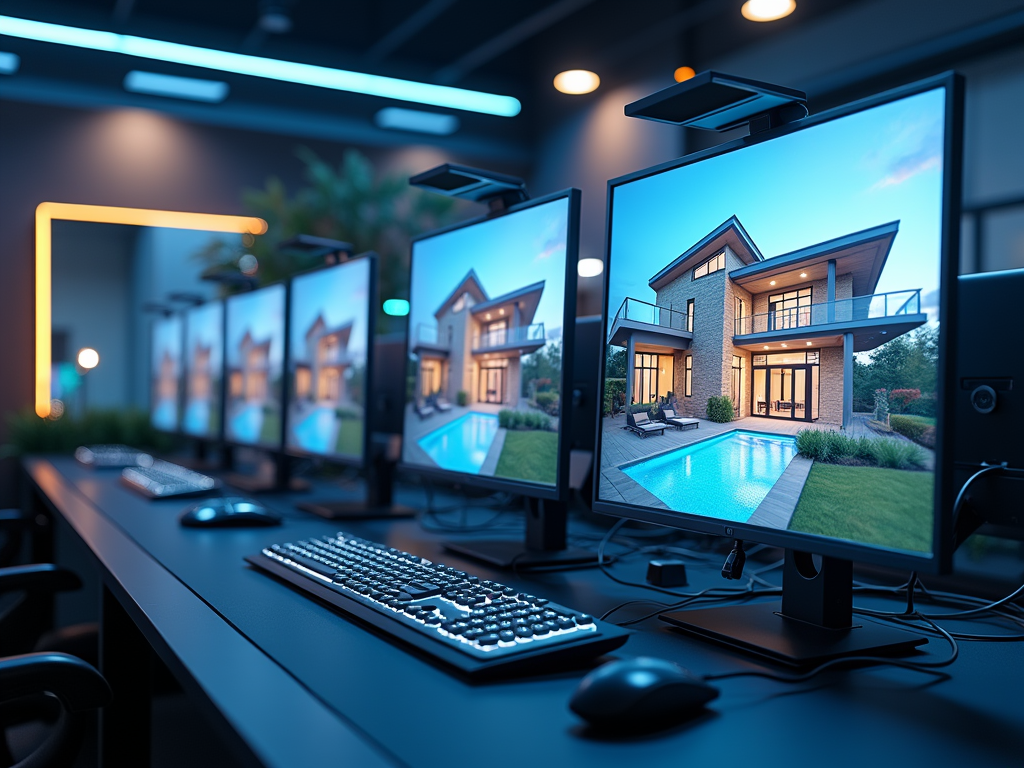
(830, 386)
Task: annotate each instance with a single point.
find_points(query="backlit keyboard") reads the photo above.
(164, 480)
(112, 456)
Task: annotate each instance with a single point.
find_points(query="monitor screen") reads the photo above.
(255, 367)
(773, 334)
(204, 367)
(329, 331)
(486, 312)
(165, 373)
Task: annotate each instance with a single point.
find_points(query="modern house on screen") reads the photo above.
(478, 342)
(775, 335)
(200, 374)
(250, 381)
(320, 367)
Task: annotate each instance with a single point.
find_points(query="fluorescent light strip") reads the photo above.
(257, 66)
(9, 63)
(154, 84)
(417, 120)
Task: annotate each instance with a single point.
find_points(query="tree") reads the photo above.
(545, 363)
(615, 363)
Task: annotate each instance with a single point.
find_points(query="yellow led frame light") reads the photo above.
(102, 214)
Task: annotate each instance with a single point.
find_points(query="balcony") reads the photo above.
(650, 324)
(427, 339)
(527, 338)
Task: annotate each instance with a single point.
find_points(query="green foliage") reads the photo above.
(613, 388)
(901, 399)
(348, 413)
(352, 202)
(615, 363)
(828, 446)
(509, 419)
(30, 434)
(462, 398)
(720, 409)
(907, 362)
(897, 454)
(542, 370)
(548, 402)
(881, 406)
(531, 456)
(833, 447)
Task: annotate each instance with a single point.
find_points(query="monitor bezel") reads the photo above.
(940, 558)
(373, 301)
(560, 490)
(219, 436)
(229, 441)
(177, 431)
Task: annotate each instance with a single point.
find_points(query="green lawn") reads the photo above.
(270, 432)
(350, 437)
(529, 455)
(921, 419)
(887, 507)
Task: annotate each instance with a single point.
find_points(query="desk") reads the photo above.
(294, 684)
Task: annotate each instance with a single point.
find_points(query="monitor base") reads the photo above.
(258, 484)
(763, 630)
(510, 554)
(356, 510)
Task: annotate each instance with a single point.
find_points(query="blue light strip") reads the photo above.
(257, 66)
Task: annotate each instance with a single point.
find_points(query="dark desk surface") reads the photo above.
(304, 686)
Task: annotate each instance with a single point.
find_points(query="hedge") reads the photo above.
(720, 409)
(509, 419)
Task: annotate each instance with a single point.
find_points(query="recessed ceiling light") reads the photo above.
(487, 316)
(398, 119)
(259, 66)
(191, 88)
(772, 283)
(683, 74)
(803, 274)
(784, 346)
(767, 10)
(766, 346)
(9, 63)
(808, 343)
(576, 81)
(589, 267)
(501, 311)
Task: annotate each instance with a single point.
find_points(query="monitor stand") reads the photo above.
(281, 481)
(378, 505)
(812, 624)
(545, 544)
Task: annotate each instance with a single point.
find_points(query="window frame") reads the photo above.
(718, 259)
(688, 376)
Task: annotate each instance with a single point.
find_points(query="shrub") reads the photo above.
(811, 443)
(897, 454)
(547, 401)
(923, 406)
(347, 413)
(882, 406)
(914, 428)
(825, 446)
(900, 399)
(509, 419)
(462, 397)
(720, 409)
(27, 433)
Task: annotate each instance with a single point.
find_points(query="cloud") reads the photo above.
(907, 146)
(907, 167)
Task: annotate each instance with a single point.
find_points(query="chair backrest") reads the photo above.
(642, 417)
(669, 413)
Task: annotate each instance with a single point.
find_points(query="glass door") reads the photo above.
(786, 392)
(492, 385)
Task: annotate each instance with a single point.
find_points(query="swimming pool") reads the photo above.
(725, 477)
(316, 432)
(462, 445)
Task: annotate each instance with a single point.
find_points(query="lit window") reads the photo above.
(689, 315)
(688, 378)
(714, 264)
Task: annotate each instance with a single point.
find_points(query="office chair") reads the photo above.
(48, 686)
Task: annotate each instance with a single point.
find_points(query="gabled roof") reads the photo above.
(730, 232)
(470, 283)
(519, 293)
(862, 254)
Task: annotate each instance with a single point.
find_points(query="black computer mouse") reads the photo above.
(228, 511)
(640, 694)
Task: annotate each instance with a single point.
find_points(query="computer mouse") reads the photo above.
(640, 694)
(228, 511)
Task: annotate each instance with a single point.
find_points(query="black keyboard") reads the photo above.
(474, 625)
(164, 480)
(112, 456)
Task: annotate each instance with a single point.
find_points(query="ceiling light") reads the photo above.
(784, 346)
(808, 343)
(396, 307)
(803, 274)
(766, 346)
(772, 283)
(210, 91)
(9, 63)
(258, 66)
(88, 358)
(275, 20)
(576, 81)
(501, 311)
(487, 316)
(400, 119)
(589, 267)
(767, 10)
(683, 73)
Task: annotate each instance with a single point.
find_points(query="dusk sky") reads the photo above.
(507, 253)
(166, 337)
(341, 294)
(262, 314)
(204, 326)
(866, 169)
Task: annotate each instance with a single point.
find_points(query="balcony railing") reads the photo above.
(651, 314)
(428, 334)
(508, 336)
(878, 305)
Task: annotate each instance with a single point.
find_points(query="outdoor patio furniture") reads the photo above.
(442, 404)
(423, 410)
(762, 406)
(668, 416)
(641, 424)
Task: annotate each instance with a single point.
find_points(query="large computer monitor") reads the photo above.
(778, 314)
(165, 373)
(491, 329)
(203, 413)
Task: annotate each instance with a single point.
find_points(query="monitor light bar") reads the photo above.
(9, 63)
(417, 120)
(258, 66)
(153, 84)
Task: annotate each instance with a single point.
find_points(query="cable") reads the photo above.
(963, 489)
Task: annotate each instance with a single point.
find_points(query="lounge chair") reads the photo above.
(641, 424)
(669, 417)
(442, 404)
(423, 410)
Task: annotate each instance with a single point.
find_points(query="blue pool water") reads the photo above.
(197, 417)
(726, 477)
(315, 432)
(247, 423)
(165, 415)
(462, 445)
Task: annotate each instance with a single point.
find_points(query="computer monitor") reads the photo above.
(491, 334)
(203, 412)
(165, 373)
(778, 340)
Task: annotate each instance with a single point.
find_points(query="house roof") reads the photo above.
(470, 283)
(528, 296)
(730, 232)
(344, 330)
(862, 254)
